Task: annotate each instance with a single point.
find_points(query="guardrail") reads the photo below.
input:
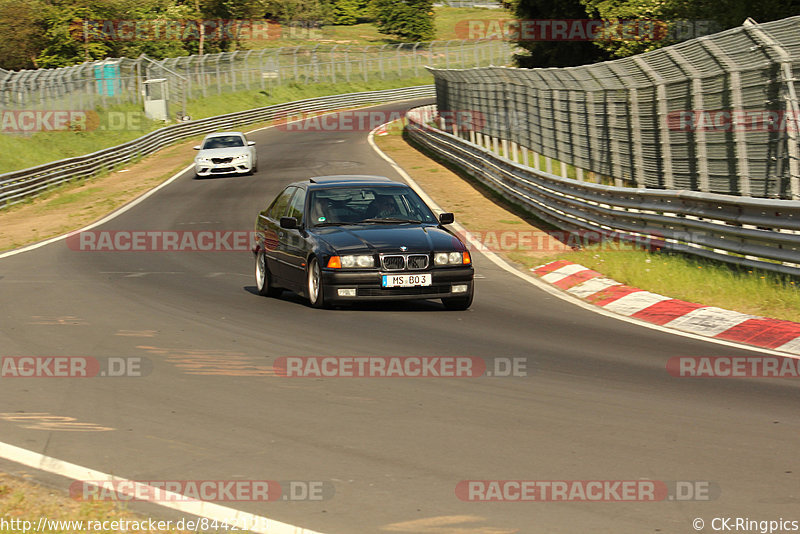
(18, 186)
(750, 232)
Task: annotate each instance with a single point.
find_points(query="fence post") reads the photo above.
(661, 101)
(789, 95)
(697, 104)
(742, 163)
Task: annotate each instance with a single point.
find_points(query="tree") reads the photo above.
(408, 20)
(23, 33)
(347, 11)
(683, 19)
(542, 53)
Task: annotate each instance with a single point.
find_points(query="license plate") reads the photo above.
(405, 280)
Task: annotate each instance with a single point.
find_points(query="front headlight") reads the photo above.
(240, 157)
(360, 261)
(440, 259)
(202, 160)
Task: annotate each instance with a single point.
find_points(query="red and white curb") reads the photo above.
(697, 319)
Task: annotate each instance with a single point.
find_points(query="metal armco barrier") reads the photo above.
(755, 233)
(17, 186)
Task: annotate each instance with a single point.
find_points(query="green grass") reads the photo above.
(446, 21)
(74, 197)
(242, 100)
(21, 152)
(691, 279)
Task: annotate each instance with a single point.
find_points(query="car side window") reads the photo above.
(298, 205)
(278, 208)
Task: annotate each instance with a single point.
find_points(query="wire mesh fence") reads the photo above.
(103, 83)
(716, 114)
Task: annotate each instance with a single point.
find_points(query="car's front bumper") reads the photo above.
(213, 169)
(368, 285)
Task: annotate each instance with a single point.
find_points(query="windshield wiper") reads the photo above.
(389, 220)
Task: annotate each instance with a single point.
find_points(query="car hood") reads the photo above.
(222, 152)
(382, 238)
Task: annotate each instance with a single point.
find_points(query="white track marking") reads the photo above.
(563, 272)
(708, 321)
(792, 346)
(590, 287)
(213, 511)
(635, 302)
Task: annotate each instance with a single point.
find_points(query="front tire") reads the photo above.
(314, 285)
(460, 303)
(264, 278)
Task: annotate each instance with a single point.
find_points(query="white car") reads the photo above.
(225, 153)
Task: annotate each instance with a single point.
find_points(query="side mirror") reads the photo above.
(446, 218)
(251, 143)
(197, 147)
(288, 223)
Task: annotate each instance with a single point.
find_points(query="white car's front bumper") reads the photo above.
(223, 166)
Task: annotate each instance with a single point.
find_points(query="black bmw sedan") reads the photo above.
(339, 239)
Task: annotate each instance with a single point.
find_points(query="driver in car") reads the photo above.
(382, 207)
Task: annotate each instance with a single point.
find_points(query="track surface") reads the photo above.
(597, 404)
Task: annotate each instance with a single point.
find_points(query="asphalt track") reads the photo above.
(597, 404)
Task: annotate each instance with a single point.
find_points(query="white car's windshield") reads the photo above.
(223, 142)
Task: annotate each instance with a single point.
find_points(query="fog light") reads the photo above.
(460, 288)
(346, 292)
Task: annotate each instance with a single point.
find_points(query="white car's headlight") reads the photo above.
(240, 157)
(361, 261)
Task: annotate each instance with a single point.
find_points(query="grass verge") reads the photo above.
(677, 276)
(23, 501)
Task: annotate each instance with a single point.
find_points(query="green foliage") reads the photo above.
(554, 53)
(306, 13)
(348, 12)
(408, 20)
(680, 19)
(58, 33)
(23, 33)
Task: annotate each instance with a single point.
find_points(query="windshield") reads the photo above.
(367, 205)
(224, 141)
